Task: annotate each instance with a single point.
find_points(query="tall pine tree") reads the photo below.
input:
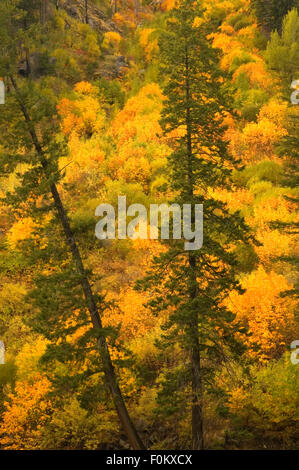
(192, 285)
(30, 127)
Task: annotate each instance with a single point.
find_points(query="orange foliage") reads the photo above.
(134, 318)
(268, 316)
(235, 200)
(22, 229)
(168, 4)
(258, 139)
(256, 72)
(83, 115)
(112, 40)
(274, 244)
(149, 45)
(26, 412)
(137, 136)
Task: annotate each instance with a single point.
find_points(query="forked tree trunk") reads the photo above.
(109, 372)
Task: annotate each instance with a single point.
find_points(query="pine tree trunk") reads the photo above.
(197, 387)
(109, 372)
(113, 7)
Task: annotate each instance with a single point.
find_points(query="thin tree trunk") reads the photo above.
(28, 66)
(43, 11)
(113, 7)
(86, 11)
(137, 7)
(109, 372)
(197, 386)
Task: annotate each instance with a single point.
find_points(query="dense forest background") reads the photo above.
(120, 351)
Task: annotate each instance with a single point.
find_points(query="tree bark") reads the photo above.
(114, 8)
(86, 11)
(109, 372)
(43, 11)
(197, 386)
(137, 8)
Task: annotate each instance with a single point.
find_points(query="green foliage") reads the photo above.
(282, 54)
(263, 171)
(239, 21)
(270, 13)
(185, 327)
(290, 146)
(268, 407)
(247, 258)
(7, 378)
(112, 92)
(260, 40)
(192, 286)
(249, 102)
(73, 428)
(243, 58)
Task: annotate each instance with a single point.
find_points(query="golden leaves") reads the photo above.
(268, 316)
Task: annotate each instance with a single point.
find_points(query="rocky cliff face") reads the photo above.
(111, 67)
(93, 15)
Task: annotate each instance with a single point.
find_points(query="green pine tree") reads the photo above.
(30, 140)
(288, 149)
(192, 285)
(282, 54)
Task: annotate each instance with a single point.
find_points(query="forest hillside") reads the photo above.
(131, 341)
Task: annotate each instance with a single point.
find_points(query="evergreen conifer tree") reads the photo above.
(270, 13)
(29, 138)
(192, 285)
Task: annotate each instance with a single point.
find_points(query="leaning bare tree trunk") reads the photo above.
(109, 372)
